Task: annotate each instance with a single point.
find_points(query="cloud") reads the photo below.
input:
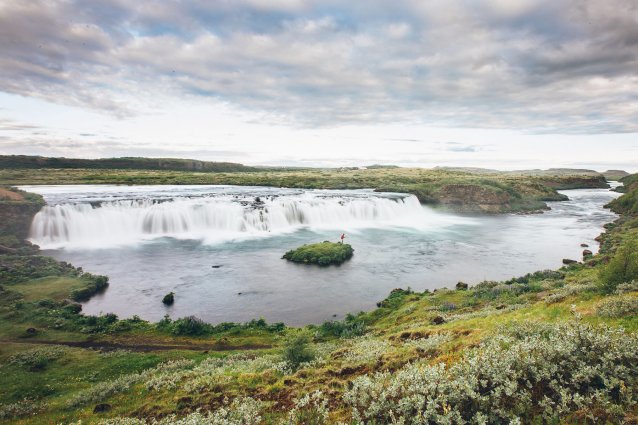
(535, 66)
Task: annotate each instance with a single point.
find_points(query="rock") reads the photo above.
(31, 331)
(216, 266)
(587, 253)
(462, 286)
(584, 245)
(169, 298)
(500, 306)
(438, 320)
(102, 407)
(568, 261)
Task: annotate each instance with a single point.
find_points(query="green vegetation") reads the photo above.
(548, 347)
(623, 267)
(324, 253)
(461, 190)
(296, 351)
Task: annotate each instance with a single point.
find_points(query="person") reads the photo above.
(343, 236)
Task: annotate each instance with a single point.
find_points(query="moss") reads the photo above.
(323, 253)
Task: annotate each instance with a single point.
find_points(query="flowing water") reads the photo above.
(219, 248)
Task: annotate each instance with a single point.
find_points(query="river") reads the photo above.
(219, 248)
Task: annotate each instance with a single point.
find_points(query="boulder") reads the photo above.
(584, 245)
(31, 331)
(437, 320)
(568, 261)
(587, 253)
(462, 286)
(102, 407)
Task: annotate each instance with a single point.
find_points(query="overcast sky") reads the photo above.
(499, 83)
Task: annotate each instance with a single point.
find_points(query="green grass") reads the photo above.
(323, 253)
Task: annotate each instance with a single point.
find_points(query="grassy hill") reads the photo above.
(550, 347)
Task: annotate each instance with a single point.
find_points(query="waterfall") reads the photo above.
(216, 218)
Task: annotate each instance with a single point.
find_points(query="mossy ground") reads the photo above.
(407, 327)
(322, 253)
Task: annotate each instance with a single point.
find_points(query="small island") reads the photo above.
(323, 253)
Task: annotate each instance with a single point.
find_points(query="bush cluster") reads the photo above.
(528, 372)
(618, 307)
(194, 326)
(623, 267)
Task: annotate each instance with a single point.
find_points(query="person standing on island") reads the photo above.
(343, 236)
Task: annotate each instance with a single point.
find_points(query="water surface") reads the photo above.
(219, 248)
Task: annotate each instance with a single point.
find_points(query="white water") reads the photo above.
(218, 215)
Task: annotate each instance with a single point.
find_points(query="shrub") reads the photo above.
(323, 254)
(350, 327)
(311, 409)
(618, 307)
(38, 358)
(297, 351)
(190, 325)
(623, 267)
(23, 408)
(627, 287)
(528, 372)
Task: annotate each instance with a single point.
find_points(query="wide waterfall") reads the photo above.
(217, 216)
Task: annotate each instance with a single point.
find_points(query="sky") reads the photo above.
(507, 84)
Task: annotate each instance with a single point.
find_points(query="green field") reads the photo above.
(549, 347)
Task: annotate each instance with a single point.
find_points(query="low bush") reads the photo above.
(297, 351)
(323, 253)
(623, 267)
(350, 327)
(618, 307)
(528, 372)
(37, 359)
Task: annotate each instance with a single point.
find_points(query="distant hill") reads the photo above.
(128, 163)
(614, 174)
(535, 172)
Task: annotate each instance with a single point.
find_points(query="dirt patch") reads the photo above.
(142, 348)
(10, 195)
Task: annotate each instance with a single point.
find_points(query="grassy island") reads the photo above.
(323, 253)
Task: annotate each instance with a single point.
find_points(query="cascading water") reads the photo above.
(215, 217)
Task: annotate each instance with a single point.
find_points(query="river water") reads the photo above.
(219, 248)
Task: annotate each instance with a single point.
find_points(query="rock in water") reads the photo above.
(169, 298)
